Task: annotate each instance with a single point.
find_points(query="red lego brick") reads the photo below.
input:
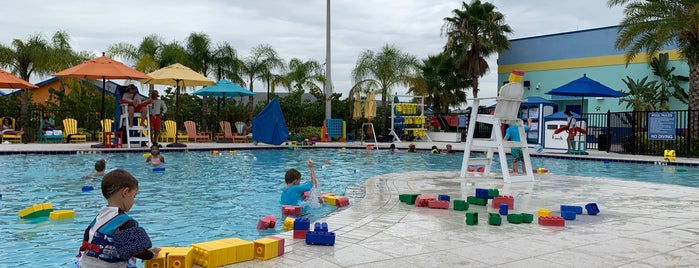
(263, 223)
(272, 220)
(300, 234)
(308, 193)
(552, 221)
(281, 244)
(443, 204)
(342, 201)
(504, 199)
(291, 211)
(422, 200)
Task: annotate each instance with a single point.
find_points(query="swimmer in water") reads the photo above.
(155, 158)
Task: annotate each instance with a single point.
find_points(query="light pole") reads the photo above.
(328, 83)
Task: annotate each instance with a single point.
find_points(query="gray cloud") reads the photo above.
(293, 28)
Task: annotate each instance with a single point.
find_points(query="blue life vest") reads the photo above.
(102, 245)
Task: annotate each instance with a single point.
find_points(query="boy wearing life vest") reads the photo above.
(114, 238)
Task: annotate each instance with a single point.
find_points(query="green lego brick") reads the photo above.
(471, 218)
(514, 218)
(493, 193)
(460, 205)
(477, 201)
(494, 219)
(403, 197)
(410, 199)
(527, 218)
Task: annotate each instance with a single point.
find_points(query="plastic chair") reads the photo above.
(192, 133)
(106, 127)
(169, 134)
(70, 131)
(49, 136)
(11, 137)
(506, 111)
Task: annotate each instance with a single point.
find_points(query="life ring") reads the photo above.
(146, 155)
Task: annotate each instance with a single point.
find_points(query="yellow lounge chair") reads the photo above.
(14, 138)
(70, 131)
(106, 127)
(168, 134)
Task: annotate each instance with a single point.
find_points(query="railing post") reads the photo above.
(608, 131)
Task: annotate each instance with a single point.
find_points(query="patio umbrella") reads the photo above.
(357, 113)
(177, 75)
(224, 89)
(102, 68)
(8, 80)
(585, 87)
(370, 106)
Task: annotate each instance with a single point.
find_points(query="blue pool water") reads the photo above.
(202, 197)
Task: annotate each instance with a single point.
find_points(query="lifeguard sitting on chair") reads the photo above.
(572, 129)
(134, 102)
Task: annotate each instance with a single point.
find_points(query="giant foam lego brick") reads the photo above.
(288, 224)
(514, 218)
(320, 238)
(180, 257)
(441, 204)
(568, 215)
(543, 212)
(507, 199)
(422, 200)
(213, 254)
(444, 197)
(551, 221)
(266, 248)
(329, 199)
(299, 234)
(492, 193)
(291, 211)
(280, 243)
(320, 227)
(494, 219)
(36, 211)
(477, 201)
(302, 224)
(527, 218)
(411, 200)
(342, 201)
(460, 205)
(160, 260)
(471, 218)
(266, 222)
(244, 250)
(592, 209)
(482, 193)
(503, 210)
(577, 209)
(61, 214)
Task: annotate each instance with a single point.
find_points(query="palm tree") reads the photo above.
(669, 83)
(259, 65)
(475, 32)
(649, 25)
(301, 75)
(641, 95)
(38, 56)
(383, 70)
(201, 55)
(439, 81)
(146, 55)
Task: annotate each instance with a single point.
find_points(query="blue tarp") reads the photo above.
(269, 125)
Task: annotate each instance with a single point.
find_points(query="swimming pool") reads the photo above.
(201, 196)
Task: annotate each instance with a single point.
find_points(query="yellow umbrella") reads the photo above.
(357, 107)
(370, 106)
(177, 75)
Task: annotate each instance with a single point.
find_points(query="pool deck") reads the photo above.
(640, 225)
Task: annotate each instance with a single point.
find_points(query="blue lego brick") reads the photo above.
(503, 209)
(320, 227)
(444, 197)
(576, 209)
(302, 224)
(568, 215)
(320, 238)
(592, 209)
(482, 193)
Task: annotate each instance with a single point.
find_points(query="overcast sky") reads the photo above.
(296, 29)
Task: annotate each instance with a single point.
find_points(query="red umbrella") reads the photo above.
(8, 80)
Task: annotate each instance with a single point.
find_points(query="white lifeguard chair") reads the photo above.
(137, 133)
(506, 109)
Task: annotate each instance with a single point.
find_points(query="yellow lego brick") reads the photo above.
(329, 198)
(244, 249)
(36, 210)
(62, 214)
(213, 253)
(180, 258)
(158, 261)
(543, 212)
(266, 248)
(289, 223)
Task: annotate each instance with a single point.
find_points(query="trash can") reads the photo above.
(602, 142)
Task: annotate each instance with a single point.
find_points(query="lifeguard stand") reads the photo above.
(506, 109)
(137, 132)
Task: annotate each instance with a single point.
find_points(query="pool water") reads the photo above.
(202, 197)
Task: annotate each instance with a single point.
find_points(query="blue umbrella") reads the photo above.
(585, 87)
(224, 88)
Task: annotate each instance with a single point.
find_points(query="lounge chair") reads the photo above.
(191, 129)
(228, 134)
(170, 133)
(70, 131)
(50, 135)
(14, 138)
(506, 109)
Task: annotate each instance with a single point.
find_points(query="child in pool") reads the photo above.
(293, 193)
(434, 149)
(100, 166)
(113, 237)
(155, 157)
(393, 148)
